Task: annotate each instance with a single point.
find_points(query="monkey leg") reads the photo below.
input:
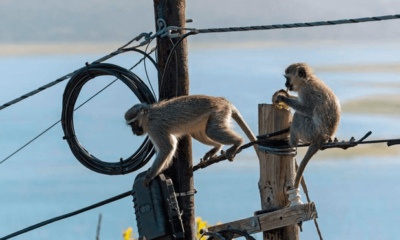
(166, 147)
(218, 129)
(310, 153)
(201, 137)
(302, 128)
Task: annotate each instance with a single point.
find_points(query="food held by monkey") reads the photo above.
(281, 105)
(317, 111)
(205, 118)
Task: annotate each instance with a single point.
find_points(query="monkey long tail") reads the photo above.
(243, 125)
(310, 153)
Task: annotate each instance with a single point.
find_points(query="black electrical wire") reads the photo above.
(170, 55)
(38, 225)
(71, 93)
(146, 55)
(145, 67)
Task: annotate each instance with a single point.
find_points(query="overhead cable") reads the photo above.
(296, 25)
(54, 124)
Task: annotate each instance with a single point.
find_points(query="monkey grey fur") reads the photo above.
(207, 119)
(317, 111)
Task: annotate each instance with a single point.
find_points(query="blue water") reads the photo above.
(356, 199)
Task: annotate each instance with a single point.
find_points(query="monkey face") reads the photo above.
(136, 118)
(292, 83)
(136, 128)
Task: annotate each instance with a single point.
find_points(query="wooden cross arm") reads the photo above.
(273, 220)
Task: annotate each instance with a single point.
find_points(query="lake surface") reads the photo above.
(356, 199)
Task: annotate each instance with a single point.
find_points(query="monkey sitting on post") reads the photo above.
(317, 111)
(207, 119)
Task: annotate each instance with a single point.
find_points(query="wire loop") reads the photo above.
(71, 93)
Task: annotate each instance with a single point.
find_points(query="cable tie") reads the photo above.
(121, 170)
(68, 137)
(88, 70)
(188, 193)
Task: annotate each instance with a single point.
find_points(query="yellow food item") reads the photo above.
(283, 105)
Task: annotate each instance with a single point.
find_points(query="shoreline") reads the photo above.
(54, 48)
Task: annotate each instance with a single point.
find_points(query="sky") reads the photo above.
(47, 170)
(49, 21)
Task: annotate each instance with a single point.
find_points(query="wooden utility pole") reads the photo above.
(277, 172)
(176, 83)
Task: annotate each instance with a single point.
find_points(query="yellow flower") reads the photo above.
(200, 225)
(128, 235)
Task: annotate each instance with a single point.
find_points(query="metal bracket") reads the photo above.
(188, 193)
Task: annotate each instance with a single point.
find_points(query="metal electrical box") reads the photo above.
(156, 209)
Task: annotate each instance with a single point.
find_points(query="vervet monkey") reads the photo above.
(317, 111)
(205, 118)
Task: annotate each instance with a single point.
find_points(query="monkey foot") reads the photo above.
(229, 155)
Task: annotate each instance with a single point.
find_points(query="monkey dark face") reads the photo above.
(287, 83)
(136, 129)
(293, 83)
(137, 117)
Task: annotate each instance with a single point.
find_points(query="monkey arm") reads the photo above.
(294, 103)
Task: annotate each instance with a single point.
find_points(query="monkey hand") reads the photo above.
(277, 97)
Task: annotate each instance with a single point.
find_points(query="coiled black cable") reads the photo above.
(71, 93)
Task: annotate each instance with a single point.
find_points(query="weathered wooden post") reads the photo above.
(277, 172)
(176, 83)
(277, 220)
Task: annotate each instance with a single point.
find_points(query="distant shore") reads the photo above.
(56, 48)
(59, 48)
(379, 67)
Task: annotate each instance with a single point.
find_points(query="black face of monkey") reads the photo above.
(136, 129)
(288, 83)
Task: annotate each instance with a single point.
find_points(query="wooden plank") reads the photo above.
(288, 216)
(273, 220)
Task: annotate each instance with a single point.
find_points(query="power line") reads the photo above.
(41, 224)
(296, 25)
(54, 124)
(69, 75)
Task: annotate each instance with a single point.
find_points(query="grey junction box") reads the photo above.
(156, 208)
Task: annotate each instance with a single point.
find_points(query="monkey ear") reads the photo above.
(301, 72)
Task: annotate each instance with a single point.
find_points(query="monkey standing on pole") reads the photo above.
(317, 111)
(205, 118)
